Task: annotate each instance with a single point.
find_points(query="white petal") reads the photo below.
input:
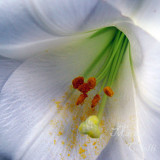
(148, 78)
(145, 53)
(61, 16)
(144, 13)
(17, 26)
(7, 67)
(117, 149)
(104, 15)
(32, 21)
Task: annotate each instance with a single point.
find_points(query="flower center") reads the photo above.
(113, 54)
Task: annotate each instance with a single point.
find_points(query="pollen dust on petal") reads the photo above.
(63, 142)
(94, 143)
(60, 133)
(82, 152)
(71, 117)
(85, 145)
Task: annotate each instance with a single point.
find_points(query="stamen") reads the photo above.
(108, 60)
(108, 91)
(81, 99)
(84, 88)
(77, 82)
(95, 100)
(92, 82)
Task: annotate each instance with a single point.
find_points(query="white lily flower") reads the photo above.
(44, 46)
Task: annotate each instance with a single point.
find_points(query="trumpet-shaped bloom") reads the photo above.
(44, 46)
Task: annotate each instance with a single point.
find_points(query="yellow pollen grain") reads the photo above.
(94, 143)
(102, 123)
(61, 156)
(95, 147)
(83, 156)
(54, 141)
(85, 145)
(63, 142)
(82, 118)
(68, 155)
(71, 146)
(81, 150)
(60, 133)
(58, 104)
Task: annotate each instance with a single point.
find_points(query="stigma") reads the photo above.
(90, 127)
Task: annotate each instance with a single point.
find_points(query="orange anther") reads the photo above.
(91, 82)
(84, 88)
(77, 82)
(81, 99)
(95, 100)
(108, 91)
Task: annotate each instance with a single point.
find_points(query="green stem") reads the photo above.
(101, 108)
(120, 60)
(104, 65)
(113, 72)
